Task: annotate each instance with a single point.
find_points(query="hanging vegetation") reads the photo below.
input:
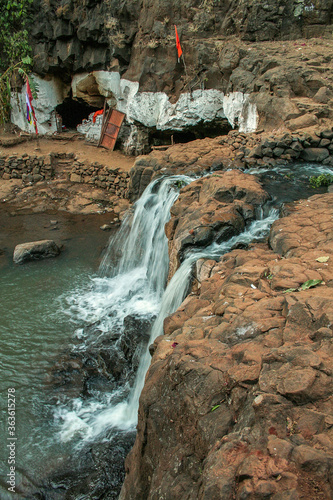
(15, 56)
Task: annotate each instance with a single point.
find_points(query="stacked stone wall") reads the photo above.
(34, 168)
(306, 147)
(101, 176)
(30, 169)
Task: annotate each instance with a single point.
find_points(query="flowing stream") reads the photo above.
(134, 285)
(134, 273)
(129, 289)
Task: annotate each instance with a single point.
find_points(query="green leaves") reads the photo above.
(323, 259)
(321, 180)
(27, 60)
(15, 50)
(13, 35)
(308, 284)
(33, 86)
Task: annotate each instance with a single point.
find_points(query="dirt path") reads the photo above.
(68, 143)
(60, 193)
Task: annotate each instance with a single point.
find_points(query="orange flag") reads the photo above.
(179, 49)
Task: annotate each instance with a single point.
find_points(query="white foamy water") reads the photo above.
(176, 292)
(137, 291)
(133, 277)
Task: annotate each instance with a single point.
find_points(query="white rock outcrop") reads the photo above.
(150, 109)
(51, 93)
(91, 130)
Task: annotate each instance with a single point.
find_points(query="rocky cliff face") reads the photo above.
(81, 35)
(233, 46)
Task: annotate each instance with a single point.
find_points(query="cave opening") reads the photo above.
(199, 131)
(73, 111)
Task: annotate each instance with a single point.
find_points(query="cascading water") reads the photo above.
(123, 415)
(132, 286)
(71, 382)
(176, 292)
(134, 273)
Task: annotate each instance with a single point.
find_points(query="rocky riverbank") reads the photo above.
(237, 402)
(234, 150)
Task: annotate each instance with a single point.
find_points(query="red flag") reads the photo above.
(179, 49)
(30, 109)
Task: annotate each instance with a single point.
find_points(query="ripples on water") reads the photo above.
(43, 303)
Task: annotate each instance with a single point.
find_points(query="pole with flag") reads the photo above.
(180, 51)
(31, 117)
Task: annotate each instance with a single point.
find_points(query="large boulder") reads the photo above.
(315, 154)
(35, 250)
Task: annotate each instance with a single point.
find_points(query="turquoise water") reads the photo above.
(34, 331)
(35, 328)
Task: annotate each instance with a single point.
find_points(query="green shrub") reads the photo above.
(321, 180)
(15, 49)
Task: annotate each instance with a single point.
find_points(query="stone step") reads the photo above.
(306, 105)
(320, 69)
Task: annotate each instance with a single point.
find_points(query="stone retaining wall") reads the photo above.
(32, 169)
(101, 176)
(316, 147)
(28, 168)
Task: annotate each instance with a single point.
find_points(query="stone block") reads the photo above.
(314, 154)
(75, 178)
(307, 120)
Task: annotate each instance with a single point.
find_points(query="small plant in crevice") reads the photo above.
(305, 286)
(321, 180)
(179, 184)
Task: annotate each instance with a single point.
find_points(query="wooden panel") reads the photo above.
(117, 117)
(111, 128)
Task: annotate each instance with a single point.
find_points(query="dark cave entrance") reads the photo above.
(199, 131)
(73, 111)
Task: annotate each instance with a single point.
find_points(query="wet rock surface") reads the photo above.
(35, 250)
(109, 359)
(211, 209)
(97, 468)
(98, 473)
(238, 399)
(235, 150)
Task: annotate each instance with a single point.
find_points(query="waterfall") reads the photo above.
(132, 280)
(141, 242)
(177, 289)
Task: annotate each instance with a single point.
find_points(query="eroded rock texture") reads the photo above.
(211, 209)
(78, 35)
(238, 399)
(232, 46)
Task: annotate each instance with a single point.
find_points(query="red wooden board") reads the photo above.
(111, 129)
